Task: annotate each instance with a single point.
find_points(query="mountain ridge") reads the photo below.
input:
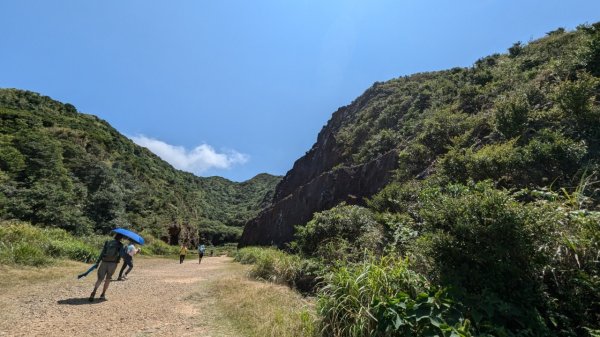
(79, 164)
(430, 118)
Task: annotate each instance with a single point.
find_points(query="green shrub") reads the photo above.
(271, 264)
(28, 254)
(74, 250)
(159, 247)
(23, 244)
(548, 157)
(576, 99)
(511, 115)
(341, 233)
(384, 298)
(482, 244)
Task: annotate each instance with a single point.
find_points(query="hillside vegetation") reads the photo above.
(490, 224)
(61, 168)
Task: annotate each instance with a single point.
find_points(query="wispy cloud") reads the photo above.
(198, 160)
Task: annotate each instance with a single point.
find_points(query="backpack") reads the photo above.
(112, 251)
(123, 252)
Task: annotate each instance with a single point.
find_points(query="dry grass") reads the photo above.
(260, 309)
(15, 276)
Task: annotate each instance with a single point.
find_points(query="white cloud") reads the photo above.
(202, 158)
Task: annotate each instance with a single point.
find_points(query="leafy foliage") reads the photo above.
(23, 244)
(64, 169)
(343, 232)
(491, 225)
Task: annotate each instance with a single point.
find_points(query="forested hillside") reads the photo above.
(527, 118)
(62, 168)
(454, 203)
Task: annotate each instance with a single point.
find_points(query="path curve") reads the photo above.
(160, 298)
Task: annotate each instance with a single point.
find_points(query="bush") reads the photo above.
(271, 264)
(341, 233)
(385, 298)
(23, 244)
(511, 115)
(276, 266)
(549, 156)
(482, 244)
(28, 254)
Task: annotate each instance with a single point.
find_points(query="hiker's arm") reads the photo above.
(101, 253)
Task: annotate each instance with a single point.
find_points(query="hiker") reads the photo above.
(127, 255)
(182, 253)
(211, 252)
(108, 259)
(201, 250)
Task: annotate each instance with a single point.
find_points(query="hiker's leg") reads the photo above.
(110, 270)
(122, 269)
(106, 284)
(130, 264)
(101, 275)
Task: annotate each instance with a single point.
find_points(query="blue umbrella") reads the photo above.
(130, 235)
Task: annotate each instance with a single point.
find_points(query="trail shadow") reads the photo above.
(79, 301)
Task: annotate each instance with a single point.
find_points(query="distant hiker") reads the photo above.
(201, 250)
(211, 252)
(108, 259)
(182, 253)
(127, 255)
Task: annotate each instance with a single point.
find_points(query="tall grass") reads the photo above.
(265, 310)
(24, 244)
(271, 264)
(346, 302)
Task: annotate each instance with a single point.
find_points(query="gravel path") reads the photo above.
(160, 298)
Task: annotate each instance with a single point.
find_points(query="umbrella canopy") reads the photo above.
(130, 235)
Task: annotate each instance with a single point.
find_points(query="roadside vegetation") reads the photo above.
(65, 169)
(261, 309)
(467, 260)
(22, 244)
(491, 226)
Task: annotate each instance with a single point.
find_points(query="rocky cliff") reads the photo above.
(319, 180)
(521, 119)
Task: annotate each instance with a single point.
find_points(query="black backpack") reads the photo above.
(112, 251)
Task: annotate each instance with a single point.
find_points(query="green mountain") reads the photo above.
(527, 118)
(62, 168)
(462, 202)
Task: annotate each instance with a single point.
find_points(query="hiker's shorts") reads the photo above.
(106, 270)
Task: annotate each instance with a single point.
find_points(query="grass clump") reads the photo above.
(384, 297)
(271, 264)
(23, 244)
(261, 309)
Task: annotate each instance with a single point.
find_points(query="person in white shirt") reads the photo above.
(201, 249)
(129, 252)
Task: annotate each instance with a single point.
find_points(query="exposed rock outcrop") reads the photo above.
(275, 225)
(320, 180)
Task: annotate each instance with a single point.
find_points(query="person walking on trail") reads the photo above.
(182, 251)
(108, 259)
(127, 255)
(201, 250)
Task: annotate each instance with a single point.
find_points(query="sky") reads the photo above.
(235, 88)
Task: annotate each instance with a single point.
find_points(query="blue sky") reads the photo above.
(236, 87)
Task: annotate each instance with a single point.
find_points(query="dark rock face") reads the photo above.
(320, 180)
(275, 225)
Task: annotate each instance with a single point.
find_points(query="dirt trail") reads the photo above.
(160, 298)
